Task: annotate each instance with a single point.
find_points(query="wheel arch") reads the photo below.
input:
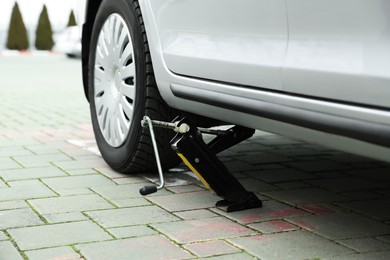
(92, 7)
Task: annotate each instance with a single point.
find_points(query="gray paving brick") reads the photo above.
(31, 173)
(68, 233)
(271, 210)
(379, 209)
(317, 166)
(25, 192)
(347, 184)
(255, 185)
(241, 256)
(211, 248)
(41, 160)
(365, 244)
(53, 253)
(126, 191)
(131, 216)
(70, 204)
(196, 214)
(292, 185)
(3, 236)
(18, 218)
(14, 151)
(188, 231)
(384, 238)
(186, 201)
(341, 225)
(184, 188)
(17, 204)
(290, 245)
(8, 251)
(280, 175)
(64, 217)
(305, 196)
(127, 203)
(77, 182)
(384, 255)
(8, 164)
(78, 172)
(2, 184)
(133, 231)
(152, 247)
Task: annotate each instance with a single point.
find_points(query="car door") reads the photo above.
(240, 42)
(339, 50)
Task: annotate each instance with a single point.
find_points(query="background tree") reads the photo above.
(72, 19)
(44, 33)
(17, 33)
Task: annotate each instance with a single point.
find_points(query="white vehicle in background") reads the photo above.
(68, 41)
(317, 70)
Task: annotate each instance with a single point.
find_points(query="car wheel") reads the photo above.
(122, 90)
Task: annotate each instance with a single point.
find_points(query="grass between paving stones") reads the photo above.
(15, 245)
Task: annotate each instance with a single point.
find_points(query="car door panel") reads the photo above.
(339, 50)
(240, 42)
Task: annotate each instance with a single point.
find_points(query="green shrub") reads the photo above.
(44, 33)
(17, 33)
(72, 19)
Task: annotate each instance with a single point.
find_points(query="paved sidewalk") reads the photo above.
(59, 200)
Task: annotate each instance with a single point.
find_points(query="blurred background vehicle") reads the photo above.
(68, 41)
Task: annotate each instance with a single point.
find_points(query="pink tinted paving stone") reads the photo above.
(202, 229)
(151, 247)
(186, 201)
(271, 210)
(289, 245)
(211, 248)
(317, 209)
(341, 225)
(273, 226)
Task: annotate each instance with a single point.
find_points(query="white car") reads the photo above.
(68, 41)
(317, 70)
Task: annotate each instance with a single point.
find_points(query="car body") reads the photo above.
(68, 42)
(313, 70)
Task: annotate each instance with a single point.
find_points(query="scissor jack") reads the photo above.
(202, 160)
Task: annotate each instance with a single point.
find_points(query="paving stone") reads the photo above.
(363, 256)
(17, 204)
(262, 158)
(365, 244)
(68, 233)
(8, 164)
(152, 247)
(238, 166)
(184, 188)
(273, 226)
(131, 216)
(60, 253)
(196, 214)
(292, 185)
(41, 149)
(347, 184)
(8, 251)
(280, 175)
(31, 173)
(64, 217)
(211, 248)
(376, 174)
(317, 166)
(188, 231)
(74, 192)
(255, 185)
(78, 172)
(77, 182)
(18, 218)
(127, 203)
(25, 192)
(70, 204)
(379, 209)
(133, 231)
(2, 184)
(110, 173)
(341, 225)
(385, 238)
(129, 180)
(3, 236)
(290, 245)
(305, 196)
(241, 256)
(25, 183)
(271, 210)
(186, 201)
(70, 165)
(319, 209)
(126, 191)
(14, 151)
(41, 160)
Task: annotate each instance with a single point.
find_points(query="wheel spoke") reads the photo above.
(114, 80)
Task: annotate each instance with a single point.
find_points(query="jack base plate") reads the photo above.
(250, 201)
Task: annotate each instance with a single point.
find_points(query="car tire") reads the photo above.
(122, 89)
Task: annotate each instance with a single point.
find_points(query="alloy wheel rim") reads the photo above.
(114, 80)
